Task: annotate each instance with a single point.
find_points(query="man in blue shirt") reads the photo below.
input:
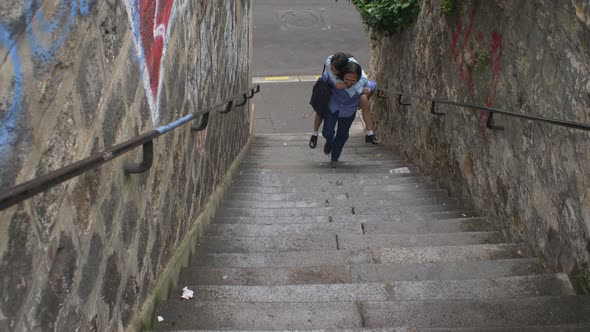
(333, 64)
(343, 106)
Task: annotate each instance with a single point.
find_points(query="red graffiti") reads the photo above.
(496, 65)
(154, 22)
(456, 35)
(465, 54)
(465, 68)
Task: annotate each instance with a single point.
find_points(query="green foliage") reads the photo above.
(387, 16)
(447, 7)
(482, 61)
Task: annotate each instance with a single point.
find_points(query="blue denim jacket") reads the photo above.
(342, 102)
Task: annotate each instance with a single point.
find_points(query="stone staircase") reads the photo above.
(298, 245)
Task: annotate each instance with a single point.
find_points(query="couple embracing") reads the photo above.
(350, 90)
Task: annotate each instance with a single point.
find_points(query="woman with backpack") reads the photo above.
(343, 106)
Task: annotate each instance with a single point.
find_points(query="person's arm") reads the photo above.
(337, 82)
(370, 86)
(326, 78)
(358, 86)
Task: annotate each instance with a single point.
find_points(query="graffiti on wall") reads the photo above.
(47, 29)
(152, 22)
(473, 53)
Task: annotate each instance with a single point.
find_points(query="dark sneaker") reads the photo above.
(371, 139)
(333, 163)
(313, 141)
(327, 148)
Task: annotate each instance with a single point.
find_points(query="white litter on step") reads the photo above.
(464, 215)
(285, 144)
(160, 318)
(403, 170)
(224, 277)
(187, 293)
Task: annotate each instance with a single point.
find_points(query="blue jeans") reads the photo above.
(341, 136)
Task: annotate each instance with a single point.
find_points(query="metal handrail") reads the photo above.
(381, 93)
(30, 188)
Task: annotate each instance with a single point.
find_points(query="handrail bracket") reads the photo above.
(245, 96)
(490, 122)
(433, 109)
(203, 124)
(228, 107)
(146, 162)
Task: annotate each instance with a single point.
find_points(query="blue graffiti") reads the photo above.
(136, 29)
(58, 28)
(9, 121)
(63, 20)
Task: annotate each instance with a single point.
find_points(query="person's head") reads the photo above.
(351, 73)
(338, 61)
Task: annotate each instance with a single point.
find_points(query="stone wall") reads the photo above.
(523, 56)
(77, 77)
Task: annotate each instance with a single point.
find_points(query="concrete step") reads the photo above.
(274, 164)
(359, 272)
(285, 164)
(258, 316)
(284, 259)
(521, 286)
(399, 227)
(302, 150)
(428, 226)
(352, 195)
(401, 217)
(373, 189)
(260, 230)
(360, 203)
(482, 312)
(452, 253)
(545, 310)
(342, 241)
(399, 255)
(314, 180)
(324, 167)
(290, 150)
(315, 159)
(270, 276)
(447, 270)
(351, 241)
(268, 244)
(332, 211)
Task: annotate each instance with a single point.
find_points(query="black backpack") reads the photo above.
(320, 96)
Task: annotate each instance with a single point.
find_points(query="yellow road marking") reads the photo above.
(277, 78)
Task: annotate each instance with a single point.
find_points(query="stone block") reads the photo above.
(59, 283)
(90, 81)
(111, 282)
(17, 264)
(91, 267)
